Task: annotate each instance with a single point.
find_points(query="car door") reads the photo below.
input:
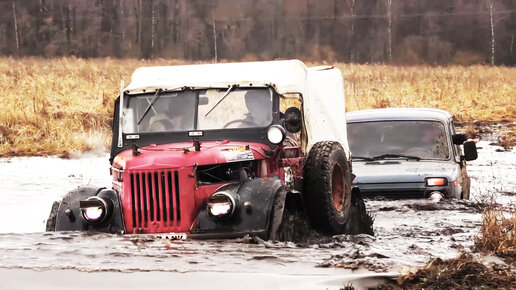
(457, 152)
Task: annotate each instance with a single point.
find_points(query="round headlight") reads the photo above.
(93, 213)
(221, 204)
(94, 209)
(276, 134)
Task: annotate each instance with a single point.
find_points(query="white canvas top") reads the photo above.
(321, 87)
(287, 76)
(324, 108)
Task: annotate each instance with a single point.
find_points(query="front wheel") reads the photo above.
(327, 187)
(52, 217)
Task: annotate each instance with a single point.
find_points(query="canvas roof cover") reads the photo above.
(321, 87)
(287, 76)
(324, 107)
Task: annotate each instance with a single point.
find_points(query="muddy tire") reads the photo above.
(359, 220)
(327, 187)
(51, 221)
(289, 221)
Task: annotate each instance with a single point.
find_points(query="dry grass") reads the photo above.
(463, 272)
(498, 232)
(497, 235)
(56, 106)
(508, 140)
(471, 93)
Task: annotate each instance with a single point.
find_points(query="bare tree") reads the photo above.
(214, 36)
(16, 29)
(122, 19)
(139, 22)
(490, 5)
(389, 29)
(352, 56)
(153, 28)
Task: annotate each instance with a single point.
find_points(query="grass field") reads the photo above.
(63, 105)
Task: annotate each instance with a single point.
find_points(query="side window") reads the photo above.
(293, 139)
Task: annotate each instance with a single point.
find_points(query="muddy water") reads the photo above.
(408, 232)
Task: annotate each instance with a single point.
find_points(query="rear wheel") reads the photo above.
(327, 187)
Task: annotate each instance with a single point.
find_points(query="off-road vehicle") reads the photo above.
(409, 152)
(221, 151)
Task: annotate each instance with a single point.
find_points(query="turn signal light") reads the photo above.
(436, 181)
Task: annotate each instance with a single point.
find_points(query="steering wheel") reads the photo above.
(237, 121)
(161, 125)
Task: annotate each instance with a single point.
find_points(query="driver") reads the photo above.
(431, 141)
(258, 107)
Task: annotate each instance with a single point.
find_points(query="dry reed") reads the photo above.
(498, 232)
(57, 106)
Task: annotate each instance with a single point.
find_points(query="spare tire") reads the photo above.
(327, 187)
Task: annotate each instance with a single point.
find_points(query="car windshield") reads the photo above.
(198, 110)
(398, 139)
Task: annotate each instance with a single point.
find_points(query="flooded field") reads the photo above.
(407, 232)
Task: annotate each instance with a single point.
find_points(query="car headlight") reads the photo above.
(276, 134)
(94, 209)
(436, 181)
(221, 204)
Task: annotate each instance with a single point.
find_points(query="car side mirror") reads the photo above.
(459, 139)
(293, 120)
(203, 100)
(470, 151)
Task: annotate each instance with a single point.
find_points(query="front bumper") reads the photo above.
(403, 190)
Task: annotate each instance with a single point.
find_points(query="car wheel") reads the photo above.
(327, 187)
(51, 221)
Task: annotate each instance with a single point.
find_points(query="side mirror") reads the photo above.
(203, 100)
(293, 121)
(459, 139)
(470, 151)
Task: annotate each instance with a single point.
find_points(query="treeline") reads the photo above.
(358, 31)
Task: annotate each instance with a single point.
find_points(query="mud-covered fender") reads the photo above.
(69, 216)
(253, 214)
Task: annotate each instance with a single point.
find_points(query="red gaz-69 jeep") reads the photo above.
(221, 151)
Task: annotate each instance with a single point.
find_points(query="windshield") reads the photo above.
(198, 110)
(392, 139)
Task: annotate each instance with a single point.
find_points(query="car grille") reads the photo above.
(155, 201)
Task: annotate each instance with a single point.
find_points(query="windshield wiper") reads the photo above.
(154, 99)
(221, 99)
(384, 156)
(362, 158)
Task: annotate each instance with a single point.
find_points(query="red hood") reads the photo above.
(183, 154)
